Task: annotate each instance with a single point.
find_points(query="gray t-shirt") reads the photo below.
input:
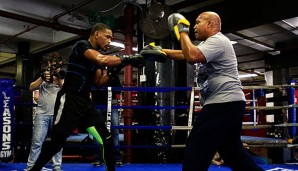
(218, 78)
(47, 97)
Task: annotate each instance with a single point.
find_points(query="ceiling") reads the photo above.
(260, 29)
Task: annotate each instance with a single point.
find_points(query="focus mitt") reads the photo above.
(177, 24)
(153, 53)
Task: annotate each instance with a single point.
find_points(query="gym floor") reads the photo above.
(138, 167)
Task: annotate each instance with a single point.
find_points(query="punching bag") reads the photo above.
(7, 120)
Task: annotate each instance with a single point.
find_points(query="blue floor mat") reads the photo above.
(138, 167)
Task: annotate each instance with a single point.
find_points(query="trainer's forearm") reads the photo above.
(174, 54)
(191, 52)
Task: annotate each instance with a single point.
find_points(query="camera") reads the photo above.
(53, 72)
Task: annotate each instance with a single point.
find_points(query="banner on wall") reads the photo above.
(7, 119)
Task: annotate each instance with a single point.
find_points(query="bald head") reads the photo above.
(213, 18)
(207, 24)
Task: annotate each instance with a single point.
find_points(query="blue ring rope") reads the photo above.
(148, 89)
(140, 89)
(120, 146)
(144, 146)
(143, 127)
(143, 107)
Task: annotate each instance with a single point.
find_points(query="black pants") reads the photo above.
(72, 111)
(218, 129)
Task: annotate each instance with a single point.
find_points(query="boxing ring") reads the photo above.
(252, 141)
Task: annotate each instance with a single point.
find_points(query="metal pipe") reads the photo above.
(128, 76)
(54, 25)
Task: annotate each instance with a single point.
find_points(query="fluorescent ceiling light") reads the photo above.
(247, 75)
(121, 45)
(289, 24)
(117, 44)
(233, 42)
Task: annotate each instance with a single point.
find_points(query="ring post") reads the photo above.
(191, 107)
(292, 111)
(109, 109)
(7, 121)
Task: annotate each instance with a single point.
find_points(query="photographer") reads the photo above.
(48, 83)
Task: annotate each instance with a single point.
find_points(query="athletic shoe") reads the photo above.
(96, 163)
(44, 169)
(292, 161)
(119, 163)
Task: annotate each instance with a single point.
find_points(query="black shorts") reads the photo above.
(73, 110)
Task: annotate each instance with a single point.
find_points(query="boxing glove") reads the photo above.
(177, 24)
(113, 72)
(136, 60)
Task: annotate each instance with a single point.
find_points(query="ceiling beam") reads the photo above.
(51, 23)
(6, 64)
(54, 24)
(11, 75)
(247, 14)
(238, 15)
(256, 60)
(252, 39)
(56, 47)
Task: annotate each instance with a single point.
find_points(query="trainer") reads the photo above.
(219, 124)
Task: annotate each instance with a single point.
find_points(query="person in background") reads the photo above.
(45, 88)
(115, 116)
(35, 99)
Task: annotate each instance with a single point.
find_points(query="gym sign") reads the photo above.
(6, 146)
